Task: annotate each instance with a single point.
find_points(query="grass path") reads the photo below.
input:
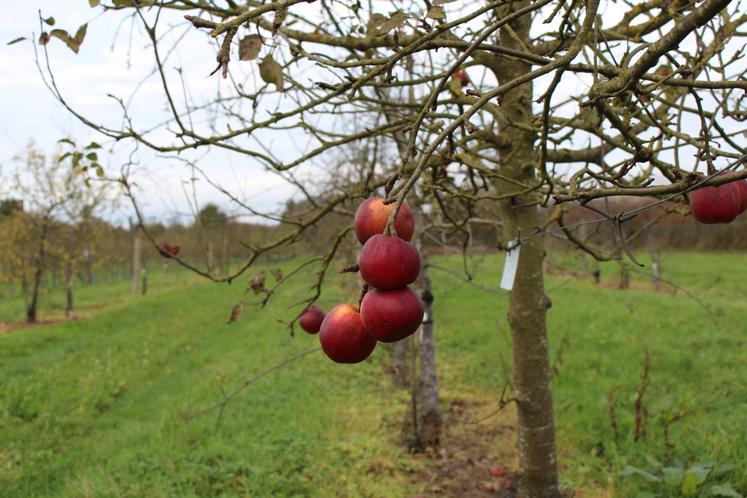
(95, 406)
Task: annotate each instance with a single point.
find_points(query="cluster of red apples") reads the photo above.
(719, 204)
(390, 310)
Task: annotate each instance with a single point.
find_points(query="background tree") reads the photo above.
(559, 104)
(49, 189)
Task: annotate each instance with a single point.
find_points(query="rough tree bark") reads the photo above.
(400, 363)
(528, 304)
(429, 423)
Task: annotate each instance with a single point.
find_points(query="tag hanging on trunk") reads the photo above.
(511, 264)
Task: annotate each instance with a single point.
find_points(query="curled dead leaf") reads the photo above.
(249, 47)
(271, 72)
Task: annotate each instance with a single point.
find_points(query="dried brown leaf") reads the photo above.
(249, 47)
(271, 72)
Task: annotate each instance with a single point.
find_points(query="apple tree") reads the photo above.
(519, 104)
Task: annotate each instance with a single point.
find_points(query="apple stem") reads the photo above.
(350, 268)
(364, 290)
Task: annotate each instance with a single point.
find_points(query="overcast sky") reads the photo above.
(108, 64)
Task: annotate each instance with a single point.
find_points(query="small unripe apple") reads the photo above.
(311, 319)
(462, 77)
(391, 315)
(388, 262)
(343, 338)
(716, 204)
(371, 217)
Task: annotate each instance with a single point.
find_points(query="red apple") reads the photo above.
(371, 216)
(391, 315)
(742, 186)
(167, 250)
(388, 262)
(716, 204)
(462, 77)
(343, 338)
(311, 319)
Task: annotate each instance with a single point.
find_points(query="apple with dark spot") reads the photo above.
(391, 315)
(311, 319)
(343, 338)
(388, 262)
(372, 215)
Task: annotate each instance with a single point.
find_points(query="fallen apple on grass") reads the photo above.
(343, 338)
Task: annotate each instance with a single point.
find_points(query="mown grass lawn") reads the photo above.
(96, 406)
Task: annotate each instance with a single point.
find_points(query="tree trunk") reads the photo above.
(31, 310)
(135, 262)
(144, 285)
(400, 363)
(624, 275)
(224, 256)
(69, 307)
(528, 304)
(430, 423)
(88, 263)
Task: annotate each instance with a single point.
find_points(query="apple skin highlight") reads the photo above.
(372, 215)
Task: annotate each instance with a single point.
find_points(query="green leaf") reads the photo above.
(673, 476)
(395, 21)
(92, 146)
(723, 469)
(72, 42)
(68, 141)
(92, 156)
(50, 21)
(724, 490)
(653, 462)
(635, 471)
(701, 471)
(689, 484)
(271, 72)
(94, 3)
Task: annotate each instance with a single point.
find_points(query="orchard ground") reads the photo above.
(98, 406)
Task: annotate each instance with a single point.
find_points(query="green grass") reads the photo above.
(95, 406)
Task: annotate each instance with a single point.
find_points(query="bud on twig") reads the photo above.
(354, 268)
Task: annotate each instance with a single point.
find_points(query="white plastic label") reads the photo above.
(510, 266)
